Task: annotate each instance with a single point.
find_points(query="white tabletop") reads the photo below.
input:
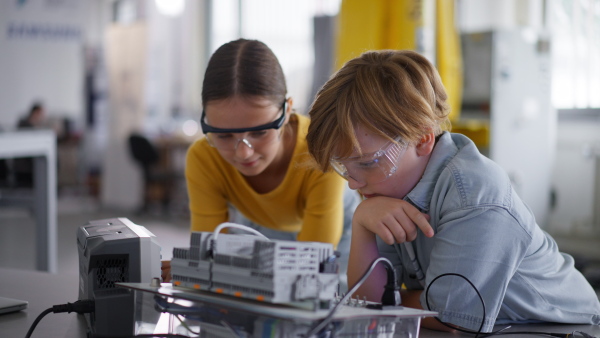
(41, 145)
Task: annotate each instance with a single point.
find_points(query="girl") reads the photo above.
(253, 166)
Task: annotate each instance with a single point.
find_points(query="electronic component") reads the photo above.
(114, 251)
(240, 285)
(253, 267)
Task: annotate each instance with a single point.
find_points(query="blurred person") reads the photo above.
(34, 118)
(23, 167)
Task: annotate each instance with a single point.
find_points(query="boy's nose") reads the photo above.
(354, 184)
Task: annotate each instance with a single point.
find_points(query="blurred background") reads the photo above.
(120, 80)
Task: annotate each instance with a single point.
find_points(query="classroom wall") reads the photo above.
(576, 178)
(41, 57)
(155, 68)
(43, 50)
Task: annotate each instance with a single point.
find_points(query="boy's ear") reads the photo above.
(425, 146)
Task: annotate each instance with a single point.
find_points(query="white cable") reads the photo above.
(344, 299)
(237, 226)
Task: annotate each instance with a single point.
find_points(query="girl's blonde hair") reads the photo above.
(391, 93)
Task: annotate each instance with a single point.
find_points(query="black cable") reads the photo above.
(87, 306)
(474, 288)
(80, 306)
(498, 332)
(36, 321)
(391, 294)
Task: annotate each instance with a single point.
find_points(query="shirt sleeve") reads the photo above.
(483, 245)
(208, 204)
(323, 213)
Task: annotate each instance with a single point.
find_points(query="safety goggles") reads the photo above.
(375, 167)
(229, 139)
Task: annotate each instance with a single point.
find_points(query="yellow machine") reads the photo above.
(426, 26)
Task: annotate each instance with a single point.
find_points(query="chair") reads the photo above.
(157, 181)
(4, 173)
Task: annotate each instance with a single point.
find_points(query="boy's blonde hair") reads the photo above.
(391, 93)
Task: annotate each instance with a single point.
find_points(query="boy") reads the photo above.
(379, 123)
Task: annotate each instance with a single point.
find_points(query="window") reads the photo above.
(575, 30)
(285, 26)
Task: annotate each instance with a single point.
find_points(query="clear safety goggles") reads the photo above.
(374, 167)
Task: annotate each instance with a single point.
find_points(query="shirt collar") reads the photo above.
(445, 149)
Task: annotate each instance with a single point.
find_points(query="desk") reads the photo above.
(173, 150)
(42, 290)
(41, 145)
(594, 330)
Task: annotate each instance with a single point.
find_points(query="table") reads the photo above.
(41, 145)
(593, 330)
(173, 150)
(42, 290)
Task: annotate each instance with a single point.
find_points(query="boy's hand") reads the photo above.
(392, 219)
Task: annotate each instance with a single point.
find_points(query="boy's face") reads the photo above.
(407, 167)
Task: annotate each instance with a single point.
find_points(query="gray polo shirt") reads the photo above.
(484, 232)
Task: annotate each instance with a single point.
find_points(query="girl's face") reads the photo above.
(402, 165)
(250, 152)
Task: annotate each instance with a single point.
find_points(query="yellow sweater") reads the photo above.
(307, 201)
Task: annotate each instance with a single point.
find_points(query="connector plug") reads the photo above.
(391, 293)
(80, 306)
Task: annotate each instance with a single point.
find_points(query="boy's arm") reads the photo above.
(410, 298)
(363, 251)
(382, 214)
(393, 220)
